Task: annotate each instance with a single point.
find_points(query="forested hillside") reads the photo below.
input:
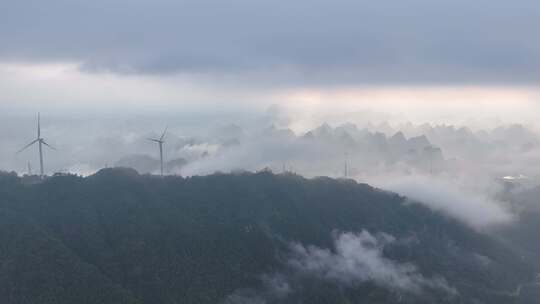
(121, 237)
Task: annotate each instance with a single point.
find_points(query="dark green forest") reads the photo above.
(121, 237)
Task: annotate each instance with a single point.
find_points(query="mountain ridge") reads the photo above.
(224, 237)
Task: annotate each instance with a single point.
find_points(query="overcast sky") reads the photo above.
(107, 74)
(217, 55)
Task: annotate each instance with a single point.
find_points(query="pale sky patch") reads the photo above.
(64, 86)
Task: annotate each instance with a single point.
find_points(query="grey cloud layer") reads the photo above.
(301, 41)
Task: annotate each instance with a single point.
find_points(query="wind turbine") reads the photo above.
(346, 166)
(160, 142)
(40, 142)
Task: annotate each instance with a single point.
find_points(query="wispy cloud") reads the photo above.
(473, 207)
(358, 258)
(354, 259)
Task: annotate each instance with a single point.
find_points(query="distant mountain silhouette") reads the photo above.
(416, 151)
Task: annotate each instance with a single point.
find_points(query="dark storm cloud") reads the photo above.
(283, 41)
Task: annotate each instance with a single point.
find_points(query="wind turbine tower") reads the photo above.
(346, 167)
(160, 142)
(40, 141)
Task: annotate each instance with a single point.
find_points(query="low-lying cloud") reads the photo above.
(355, 259)
(476, 209)
(358, 258)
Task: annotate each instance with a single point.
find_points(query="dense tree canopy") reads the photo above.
(121, 237)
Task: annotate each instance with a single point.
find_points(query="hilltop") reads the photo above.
(121, 237)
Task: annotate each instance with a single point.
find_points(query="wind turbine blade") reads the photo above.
(46, 144)
(25, 147)
(163, 135)
(38, 126)
(151, 139)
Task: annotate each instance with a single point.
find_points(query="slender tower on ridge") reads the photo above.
(346, 167)
(160, 142)
(40, 141)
